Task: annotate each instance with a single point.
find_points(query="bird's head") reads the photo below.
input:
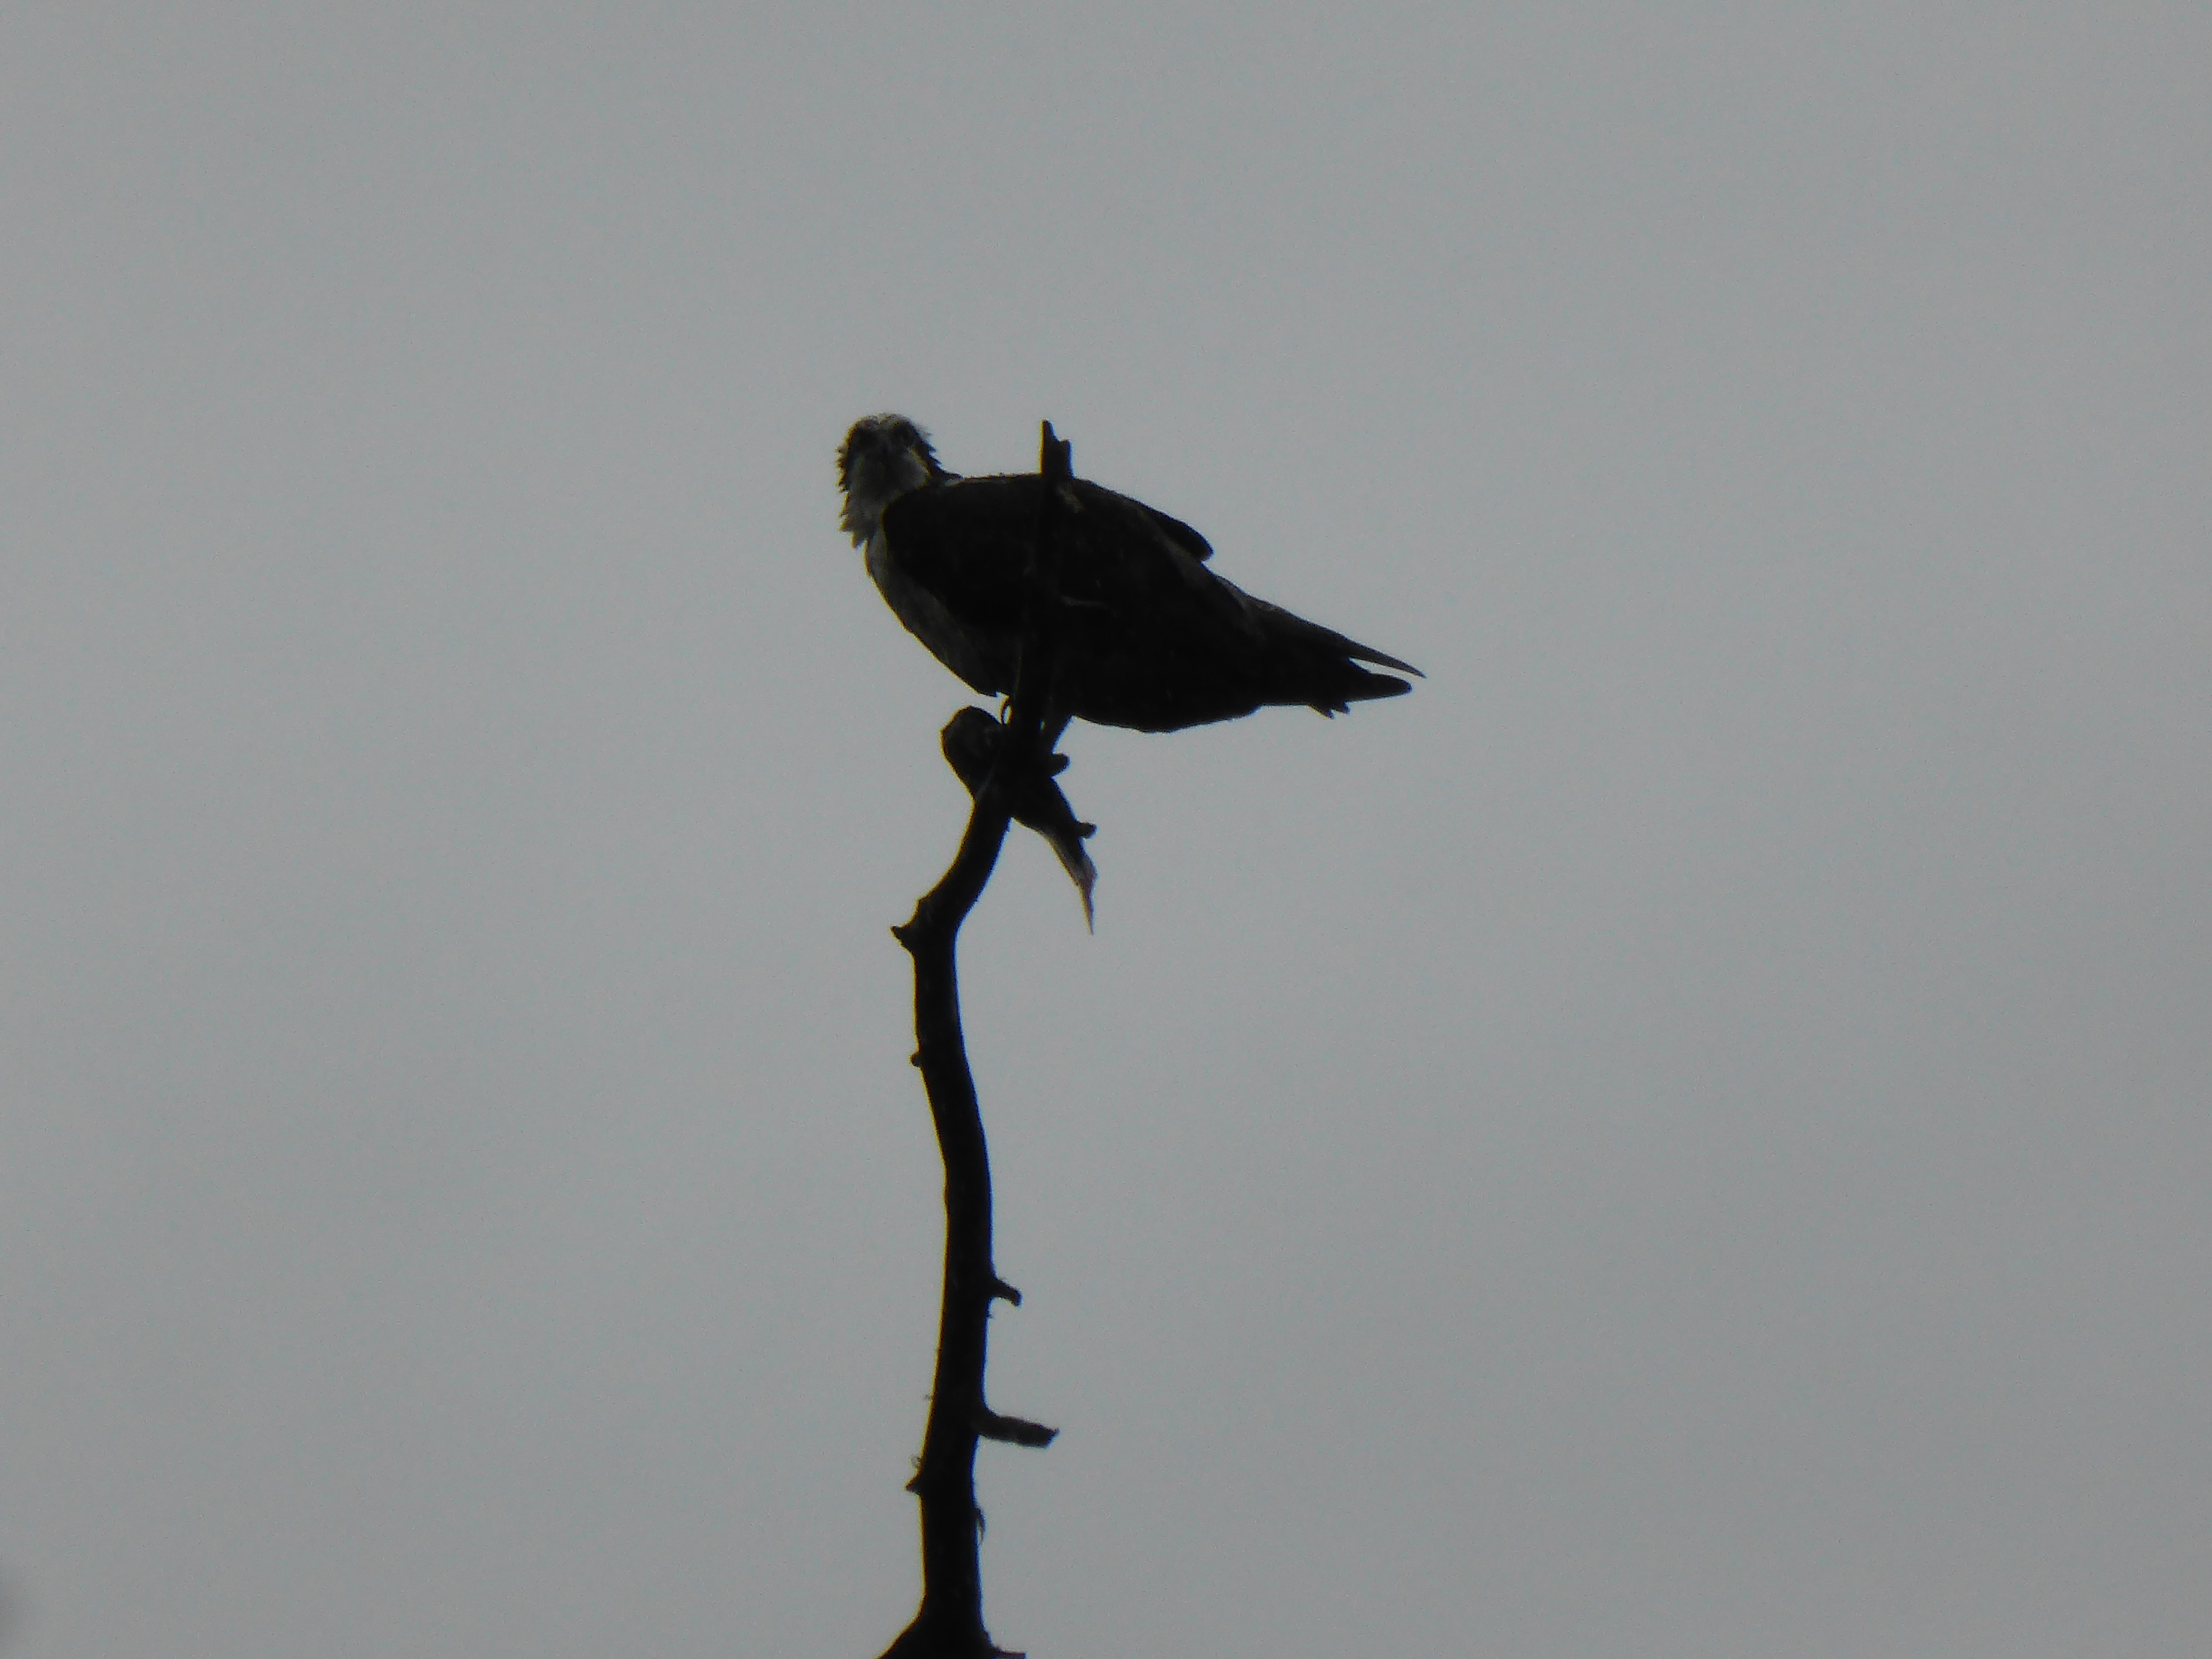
(883, 457)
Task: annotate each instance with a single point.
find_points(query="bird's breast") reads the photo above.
(926, 618)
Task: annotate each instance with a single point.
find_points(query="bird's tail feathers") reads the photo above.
(1309, 641)
(1360, 686)
(1360, 652)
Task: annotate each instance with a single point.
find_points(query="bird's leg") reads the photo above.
(1055, 725)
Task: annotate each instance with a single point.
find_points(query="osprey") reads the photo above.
(1147, 636)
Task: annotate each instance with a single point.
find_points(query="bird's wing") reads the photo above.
(1148, 636)
(1178, 532)
(968, 542)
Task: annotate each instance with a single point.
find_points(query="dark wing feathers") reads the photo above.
(1178, 532)
(1148, 637)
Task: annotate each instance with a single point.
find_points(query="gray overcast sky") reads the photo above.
(1687, 1136)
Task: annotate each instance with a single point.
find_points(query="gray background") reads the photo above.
(1687, 1136)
